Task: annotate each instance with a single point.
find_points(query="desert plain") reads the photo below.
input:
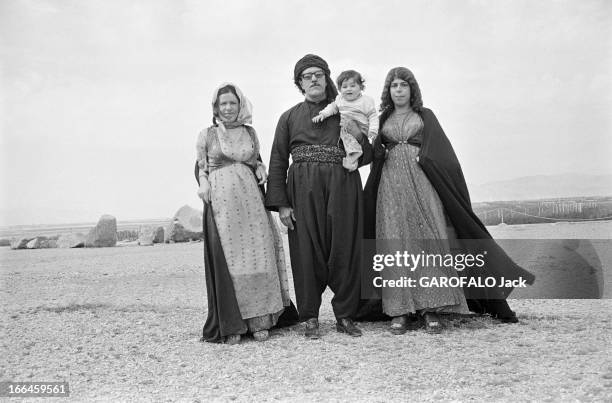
(124, 323)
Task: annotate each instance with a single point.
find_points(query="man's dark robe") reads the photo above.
(224, 317)
(325, 244)
(439, 162)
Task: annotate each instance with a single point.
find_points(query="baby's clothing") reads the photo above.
(363, 111)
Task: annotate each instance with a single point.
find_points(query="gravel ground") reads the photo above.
(124, 324)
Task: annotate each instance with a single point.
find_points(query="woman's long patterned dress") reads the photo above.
(249, 236)
(410, 214)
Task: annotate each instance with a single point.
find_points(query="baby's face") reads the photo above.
(350, 89)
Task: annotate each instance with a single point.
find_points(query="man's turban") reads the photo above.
(306, 62)
(311, 60)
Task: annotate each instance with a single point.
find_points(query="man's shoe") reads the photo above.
(312, 329)
(346, 325)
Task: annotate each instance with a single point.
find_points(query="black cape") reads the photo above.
(224, 317)
(441, 166)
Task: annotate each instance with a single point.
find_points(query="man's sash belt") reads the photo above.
(318, 153)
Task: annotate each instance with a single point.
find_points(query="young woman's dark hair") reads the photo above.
(387, 106)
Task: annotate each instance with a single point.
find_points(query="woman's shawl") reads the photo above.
(441, 166)
(245, 111)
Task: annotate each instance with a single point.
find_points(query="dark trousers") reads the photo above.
(326, 240)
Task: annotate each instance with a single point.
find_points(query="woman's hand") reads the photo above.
(261, 174)
(286, 216)
(204, 190)
(351, 127)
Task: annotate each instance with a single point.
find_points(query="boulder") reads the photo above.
(20, 243)
(104, 234)
(148, 235)
(72, 240)
(39, 242)
(186, 225)
(159, 235)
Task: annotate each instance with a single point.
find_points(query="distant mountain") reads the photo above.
(542, 187)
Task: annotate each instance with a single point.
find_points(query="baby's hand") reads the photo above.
(317, 119)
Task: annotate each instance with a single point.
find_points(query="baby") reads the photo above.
(352, 104)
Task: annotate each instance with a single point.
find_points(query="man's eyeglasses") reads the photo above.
(309, 76)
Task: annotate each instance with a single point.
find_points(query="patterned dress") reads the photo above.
(410, 214)
(249, 236)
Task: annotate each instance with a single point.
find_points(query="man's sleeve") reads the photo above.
(276, 195)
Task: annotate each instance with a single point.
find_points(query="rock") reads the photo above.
(37, 243)
(159, 235)
(186, 225)
(104, 234)
(20, 243)
(149, 235)
(73, 240)
(5, 242)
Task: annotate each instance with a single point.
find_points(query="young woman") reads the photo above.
(246, 277)
(416, 195)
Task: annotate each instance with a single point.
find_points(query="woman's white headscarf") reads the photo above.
(245, 114)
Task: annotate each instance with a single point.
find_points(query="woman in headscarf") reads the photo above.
(246, 277)
(416, 195)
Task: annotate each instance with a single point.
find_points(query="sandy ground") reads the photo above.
(124, 324)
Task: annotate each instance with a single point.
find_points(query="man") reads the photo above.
(318, 200)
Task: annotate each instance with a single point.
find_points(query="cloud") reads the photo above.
(105, 98)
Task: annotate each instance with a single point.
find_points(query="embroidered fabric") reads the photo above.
(318, 153)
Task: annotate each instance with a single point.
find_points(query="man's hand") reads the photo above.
(260, 173)
(204, 190)
(380, 151)
(286, 216)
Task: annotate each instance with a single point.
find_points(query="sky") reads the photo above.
(101, 102)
